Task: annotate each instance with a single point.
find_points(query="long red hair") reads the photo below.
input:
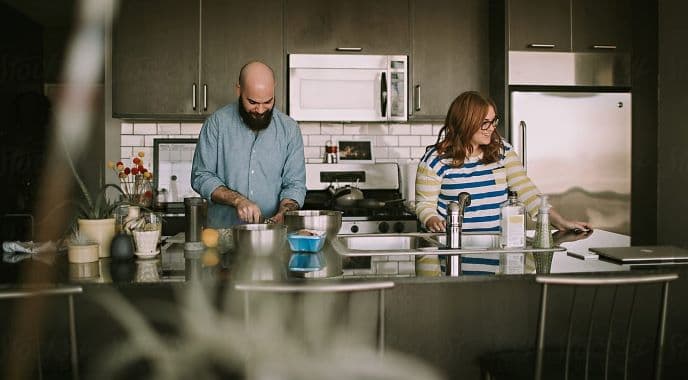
(464, 118)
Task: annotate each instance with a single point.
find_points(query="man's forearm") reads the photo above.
(226, 196)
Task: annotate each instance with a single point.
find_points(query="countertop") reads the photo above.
(176, 265)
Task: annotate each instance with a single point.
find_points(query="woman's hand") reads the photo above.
(562, 224)
(435, 224)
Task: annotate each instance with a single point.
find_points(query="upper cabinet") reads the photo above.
(449, 53)
(539, 25)
(184, 62)
(600, 25)
(235, 32)
(332, 26)
(155, 58)
(569, 25)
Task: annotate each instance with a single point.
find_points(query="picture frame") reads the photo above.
(359, 151)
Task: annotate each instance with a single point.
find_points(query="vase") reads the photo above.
(147, 235)
(83, 253)
(100, 231)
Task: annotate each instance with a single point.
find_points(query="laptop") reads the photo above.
(643, 254)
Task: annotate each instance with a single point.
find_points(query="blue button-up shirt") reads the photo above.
(264, 167)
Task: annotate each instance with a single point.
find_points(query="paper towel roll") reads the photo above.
(410, 184)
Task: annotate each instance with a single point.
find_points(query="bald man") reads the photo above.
(249, 159)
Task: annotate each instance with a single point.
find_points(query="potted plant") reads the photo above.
(95, 218)
(81, 249)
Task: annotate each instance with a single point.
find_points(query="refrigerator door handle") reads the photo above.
(522, 124)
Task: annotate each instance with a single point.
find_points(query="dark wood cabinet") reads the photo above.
(155, 58)
(450, 50)
(369, 27)
(539, 25)
(160, 70)
(601, 25)
(576, 25)
(254, 33)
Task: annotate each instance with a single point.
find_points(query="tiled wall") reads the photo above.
(392, 142)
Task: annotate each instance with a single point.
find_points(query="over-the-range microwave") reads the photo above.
(348, 87)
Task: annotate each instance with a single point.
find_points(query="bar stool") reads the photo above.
(322, 287)
(579, 359)
(69, 291)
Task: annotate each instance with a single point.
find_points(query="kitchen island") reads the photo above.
(449, 322)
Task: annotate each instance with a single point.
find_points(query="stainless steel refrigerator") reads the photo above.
(576, 147)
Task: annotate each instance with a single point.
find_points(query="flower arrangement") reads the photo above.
(135, 181)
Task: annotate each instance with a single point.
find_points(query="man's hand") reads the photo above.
(285, 205)
(248, 211)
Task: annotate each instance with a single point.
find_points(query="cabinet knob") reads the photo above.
(604, 47)
(416, 97)
(193, 96)
(348, 49)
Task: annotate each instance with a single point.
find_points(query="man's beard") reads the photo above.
(255, 122)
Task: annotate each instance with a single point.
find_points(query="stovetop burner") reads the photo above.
(323, 200)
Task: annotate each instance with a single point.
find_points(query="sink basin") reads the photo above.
(410, 243)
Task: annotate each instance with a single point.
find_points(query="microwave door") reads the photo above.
(337, 94)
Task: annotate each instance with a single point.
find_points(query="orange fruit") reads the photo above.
(210, 237)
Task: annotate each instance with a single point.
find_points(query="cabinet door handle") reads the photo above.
(193, 96)
(205, 97)
(348, 49)
(383, 94)
(542, 46)
(604, 47)
(416, 97)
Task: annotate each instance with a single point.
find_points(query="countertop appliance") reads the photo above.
(348, 87)
(576, 147)
(379, 181)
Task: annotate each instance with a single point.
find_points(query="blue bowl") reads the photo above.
(306, 262)
(305, 243)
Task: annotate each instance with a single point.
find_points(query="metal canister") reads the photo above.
(196, 210)
(453, 226)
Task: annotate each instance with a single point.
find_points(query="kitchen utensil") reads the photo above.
(259, 239)
(375, 204)
(346, 196)
(321, 220)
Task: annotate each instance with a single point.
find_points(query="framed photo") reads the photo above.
(355, 151)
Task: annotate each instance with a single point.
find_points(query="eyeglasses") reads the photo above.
(486, 124)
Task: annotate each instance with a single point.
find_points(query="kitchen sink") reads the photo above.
(411, 243)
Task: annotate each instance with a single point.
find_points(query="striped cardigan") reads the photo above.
(438, 183)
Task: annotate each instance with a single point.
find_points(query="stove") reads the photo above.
(380, 182)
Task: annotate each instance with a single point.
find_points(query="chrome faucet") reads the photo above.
(455, 211)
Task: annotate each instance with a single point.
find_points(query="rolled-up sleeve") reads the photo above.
(204, 179)
(428, 186)
(294, 174)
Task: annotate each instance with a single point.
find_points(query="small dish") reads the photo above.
(299, 242)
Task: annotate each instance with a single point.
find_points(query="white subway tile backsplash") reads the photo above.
(421, 129)
(417, 152)
(145, 128)
(399, 129)
(436, 129)
(132, 140)
(356, 129)
(309, 128)
(331, 129)
(125, 152)
(169, 128)
(386, 140)
(312, 152)
(427, 140)
(305, 140)
(193, 129)
(314, 160)
(400, 152)
(319, 140)
(377, 129)
(380, 153)
(127, 129)
(409, 140)
(147, 156)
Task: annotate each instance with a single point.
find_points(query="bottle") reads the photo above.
(512, 222)
(543, 238)
(543, 235)
(512, 234)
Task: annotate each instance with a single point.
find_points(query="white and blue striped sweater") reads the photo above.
(438, 183)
